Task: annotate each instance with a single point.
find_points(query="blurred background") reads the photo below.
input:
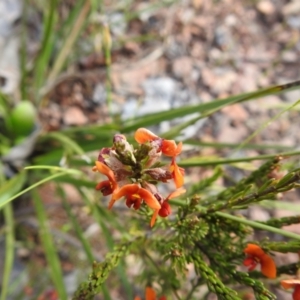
(73, 72)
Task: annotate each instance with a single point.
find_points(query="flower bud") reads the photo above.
(159, 174)
(103, 154)
(165, 209)
(124, 150)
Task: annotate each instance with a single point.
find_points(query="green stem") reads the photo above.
(259, 225)
(194, 162)
(35, 185)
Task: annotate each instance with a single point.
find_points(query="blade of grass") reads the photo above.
(54, 169)
(67, 142)
(5, 200)
(49, 247)
(76, 182)
(11, 187)
(283, 205)
(205, 161)
(264, 125)
(9, 249)
(67, 24)
(107, 44)
(23, 52)
(109, 240)
(42, 61)
(259, 225)
(69, 42)
(175, 131)
(205, 108)
(85, 244)
(234, 145)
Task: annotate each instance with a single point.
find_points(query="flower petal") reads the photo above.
(177, 174)
(176, 193)
(150, 293)
(153, 219)
(105, 187)
(250, 263)
(149, 198)
(169, 148)
(268, 267)
(104, 169)
(143, 135)
(296, 293)
(289, 283)
(126, 190)
(254, 250)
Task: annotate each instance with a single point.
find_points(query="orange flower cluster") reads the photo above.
(134, 173)
(150, 295)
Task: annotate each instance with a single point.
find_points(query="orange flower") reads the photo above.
(292, 283)
(165, 209)
(150, 295)
(168, 147)
(256, 255)
(107, 187)
(177, 174)
(134, 195)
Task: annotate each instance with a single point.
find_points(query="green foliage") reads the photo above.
(206, 232)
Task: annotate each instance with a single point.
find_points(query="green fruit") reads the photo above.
(23, 118)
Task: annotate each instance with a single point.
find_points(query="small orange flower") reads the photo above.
(256, 255)
(165, 209)
(177, 174)
(168, 147)
(150, 295)
(107, 187)
(292, 283)
(134, 195)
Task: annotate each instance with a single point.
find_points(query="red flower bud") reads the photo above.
(165, 209)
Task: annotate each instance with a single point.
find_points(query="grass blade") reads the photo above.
(69, 42)
(49, 247)
(9, 249)
(67, 142)
(205, 108)
(85, 244)
(260, 226)
(234, 145)
(206, 161)
(4, 200)
(11, 187)
(42, 61)
(109, 240)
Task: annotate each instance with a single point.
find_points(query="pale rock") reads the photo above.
(266, 7)
(182, 67)
(236, 112)
(74, 116)
(257, 213)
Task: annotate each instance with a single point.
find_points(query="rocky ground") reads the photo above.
(191, 52)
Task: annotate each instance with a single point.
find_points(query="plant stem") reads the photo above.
(259, 225)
